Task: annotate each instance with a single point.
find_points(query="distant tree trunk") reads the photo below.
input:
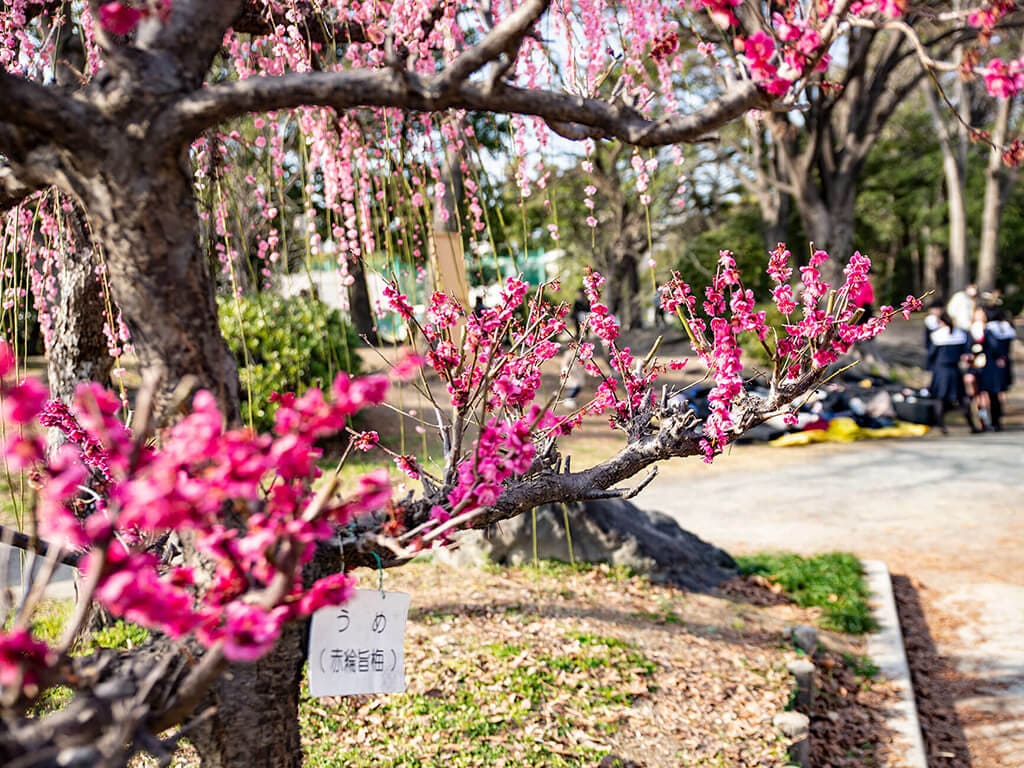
(78, 350)
(621, 268)
(997, 184)
(954, 173)
(765, 186)
(959, 266)
(916, 267)
(775, 228)
(360, 309)
(632, 300)
(934, 263)
(830, 225)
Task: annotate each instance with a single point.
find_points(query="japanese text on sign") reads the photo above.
(359, 647)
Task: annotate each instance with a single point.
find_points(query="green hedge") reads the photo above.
(290, 344)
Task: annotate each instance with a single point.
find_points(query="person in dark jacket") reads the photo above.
(580, 310)
(990, 369)
(931, 322)
(1002, 330)
(947, 346)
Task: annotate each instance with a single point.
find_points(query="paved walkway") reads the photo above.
(949, 512)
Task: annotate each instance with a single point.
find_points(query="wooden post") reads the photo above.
(449, 255)
(450, 266)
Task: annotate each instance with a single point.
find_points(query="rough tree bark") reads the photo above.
(144, 212)
(78, 350)
(146, 218)
(830, 221)
(257, 708)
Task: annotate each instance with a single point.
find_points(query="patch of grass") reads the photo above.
(590, 639)
(122, 634)
(504, 650)
(833, 582)
(49, 618)
(432, 617)
(484, 706)
(558, 568)
(51, 700)
(862, 666)
(51, 615)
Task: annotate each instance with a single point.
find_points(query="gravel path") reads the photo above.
(946, 511)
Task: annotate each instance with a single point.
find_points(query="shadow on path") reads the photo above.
(936, 684)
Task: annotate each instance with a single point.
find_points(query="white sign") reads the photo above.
(359, 647)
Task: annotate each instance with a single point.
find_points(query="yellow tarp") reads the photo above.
(845, 430)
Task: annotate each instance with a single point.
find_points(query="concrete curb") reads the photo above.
(886, 649)
(61, 586)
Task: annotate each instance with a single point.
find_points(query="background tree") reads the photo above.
(822, 150)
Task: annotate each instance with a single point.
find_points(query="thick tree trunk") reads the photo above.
(831, 228)
(625, 277)
(145, 216)
(256, 724)
(774, 221)
(632, 294)
(161, 281)
(622, 291)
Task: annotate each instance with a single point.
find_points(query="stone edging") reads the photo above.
(886, 649)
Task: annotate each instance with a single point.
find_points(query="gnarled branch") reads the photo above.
(46, 112)
(381, 88)
(14, 188)
(192, 34)
(504, 39)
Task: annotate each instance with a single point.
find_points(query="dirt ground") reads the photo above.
(707, 673)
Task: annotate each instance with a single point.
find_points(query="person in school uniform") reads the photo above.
(947, 347)
(1003, 334)
(984, 376)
